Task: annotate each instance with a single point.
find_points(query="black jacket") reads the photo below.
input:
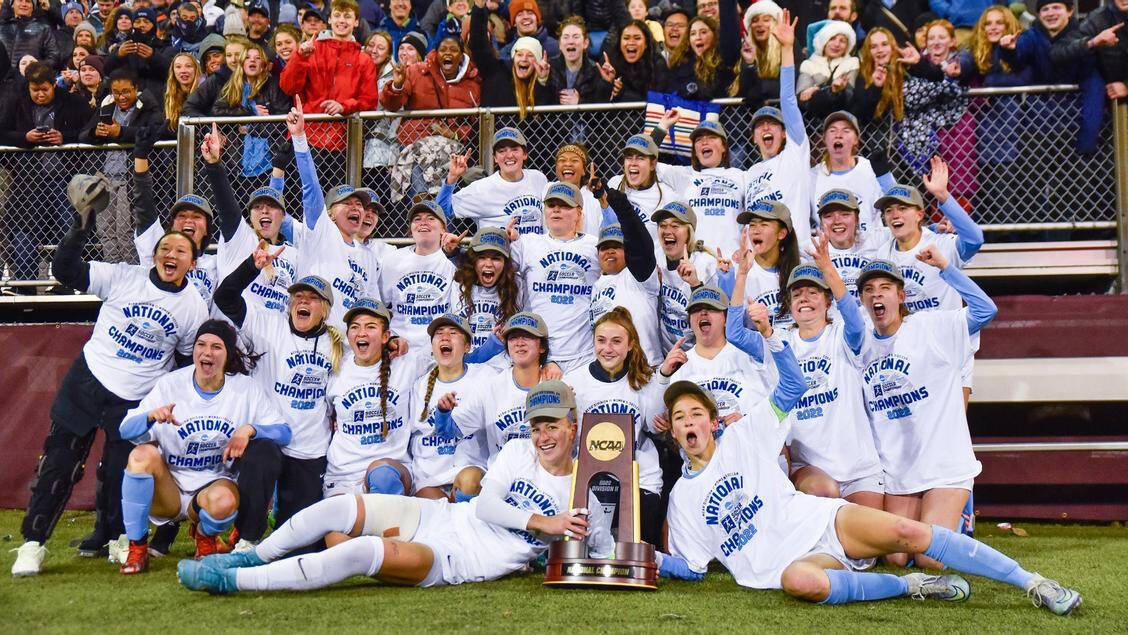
(873, 14)
(30, 36)
(149, 113)
(206, 101)
(1112, 61)
(589, 83)
(17, 115)
(153, 71)
(496, 73)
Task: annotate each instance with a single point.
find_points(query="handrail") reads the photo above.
(82, 146)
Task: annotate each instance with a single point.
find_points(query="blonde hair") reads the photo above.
(769, 58)
(337, 352)
(981, 48)
(524, 91)
(892, 91)
(175, 95)
(232, 91)
(706, 65)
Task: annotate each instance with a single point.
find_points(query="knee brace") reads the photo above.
(460, 497)
(210, 526)
(385, 479)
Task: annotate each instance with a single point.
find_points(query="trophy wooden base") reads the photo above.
(569, 566)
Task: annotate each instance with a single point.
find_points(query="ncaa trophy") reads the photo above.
(606, 452)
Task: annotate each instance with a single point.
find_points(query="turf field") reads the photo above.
(83, 595)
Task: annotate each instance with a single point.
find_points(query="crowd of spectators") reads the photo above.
(98, 72)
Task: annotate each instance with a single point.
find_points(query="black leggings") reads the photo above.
(260, 468)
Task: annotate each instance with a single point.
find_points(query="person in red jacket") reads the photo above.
(445, 79)
(332, 75)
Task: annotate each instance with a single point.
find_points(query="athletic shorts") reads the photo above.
(872, 483)
(830, 545)
(450, 537)
(966, 483)
(337, 484)
(185, 503)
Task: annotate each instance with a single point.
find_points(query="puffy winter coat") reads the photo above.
(425, 88)
(337, 70)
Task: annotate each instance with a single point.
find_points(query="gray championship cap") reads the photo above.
(427, 206)
(265, 194)
(641, 144)
(684, 387)
(611, 235)
(807, 273)
(526, 322)
(837, 198)
(341, 192)
(193, 202)
(767, 112)
(676, 210)
(842, 115)
(880, 269)
(709, 296)
(450, 319)
(551, 399)
(368, 306)
(767, 210)
(317, 284)
(490, 239)
(906, 194)
(565, 192)
(508, 135)
(708, 127)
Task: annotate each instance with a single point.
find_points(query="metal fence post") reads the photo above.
(354, 157)
(485, 140)
(1120, 149)
(185, 159)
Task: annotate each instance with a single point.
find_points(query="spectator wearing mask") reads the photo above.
(1037, 49)
(117, 119)
(826, 78)
(332, 75)
(23, 34)
(896, 16)
(963, 14)
(446, 78)
(142, 53)
(574, 77)
(521, 82)
(706, 72)
(525, 16)
(1101, 34)
(637, 62)
(39, 114)
(398, 22)
(190, 29)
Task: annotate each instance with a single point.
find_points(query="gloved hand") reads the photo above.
(143, 142)
(879, 160)
(676, 567)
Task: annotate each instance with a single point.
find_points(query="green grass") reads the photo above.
(81, 595)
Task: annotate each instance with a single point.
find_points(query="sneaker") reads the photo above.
(1049, 594)
(94, 545)
(118, 550)
(234, 560)
(29, 559)
(197, 576)
(950, 588)
(205, 545)
(137, 559)
(244, 545)
(163, 538)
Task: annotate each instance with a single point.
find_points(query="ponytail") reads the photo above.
(431, 377)
(385, 373)
(337, 347)
(788, 260)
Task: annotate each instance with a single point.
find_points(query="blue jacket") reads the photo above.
(961, 13)
(396, 31)
(1032, 51)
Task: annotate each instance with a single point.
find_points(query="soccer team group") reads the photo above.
(411, 414)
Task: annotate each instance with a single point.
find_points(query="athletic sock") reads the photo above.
(854, 586)
(459, 497)
(966, 554)
(385, 479)
(136, 499)
(211, 526)
(336, 513)
(358, 556)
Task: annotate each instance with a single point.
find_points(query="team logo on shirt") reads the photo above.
(564, 275)
(890, 391)
(716, 198)
(510, 424)
(147, 327)
(816, 373)
(727, 506)
(305, 387)
(524, 495)
(529, 211)
(675, 318)
(368, 417)
(203, 440)
(727, 392)
(421, 292)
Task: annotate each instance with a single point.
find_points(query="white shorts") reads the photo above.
(447, 530)
(336, 484)
(966, 483)
(872, 483)
(185, 502)
(830, 545)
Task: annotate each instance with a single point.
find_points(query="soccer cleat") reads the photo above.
(205, 545)
(29, 559)
(137, 560)
(234, 560)
(118, 550)
(197, 576)
(163, 538)
(1051, 595)
(950, 588)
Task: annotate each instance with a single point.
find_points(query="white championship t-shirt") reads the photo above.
(914, 394)
(417, 290)
(193, 450)
(674, 298)
(735, 380)
(270, 292)
(483, 316)
(495, 408)
(762, 286)
(493, 201)
(204, 276)
(434, 458)
(138, 329)
(784, 178)
(595, 396)
(640, 298)
(349, 268)
(645, 202)
(860, 180)
(830, 427)
(742, 510)
(924, 288)
(559, 277)
(716, 196)
(355, 396)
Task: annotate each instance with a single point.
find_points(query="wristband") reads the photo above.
(775, 342)
(301, 144)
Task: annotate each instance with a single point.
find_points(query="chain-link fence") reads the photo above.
(1013, 158)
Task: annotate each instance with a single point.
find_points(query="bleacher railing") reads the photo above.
(1012, 156)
